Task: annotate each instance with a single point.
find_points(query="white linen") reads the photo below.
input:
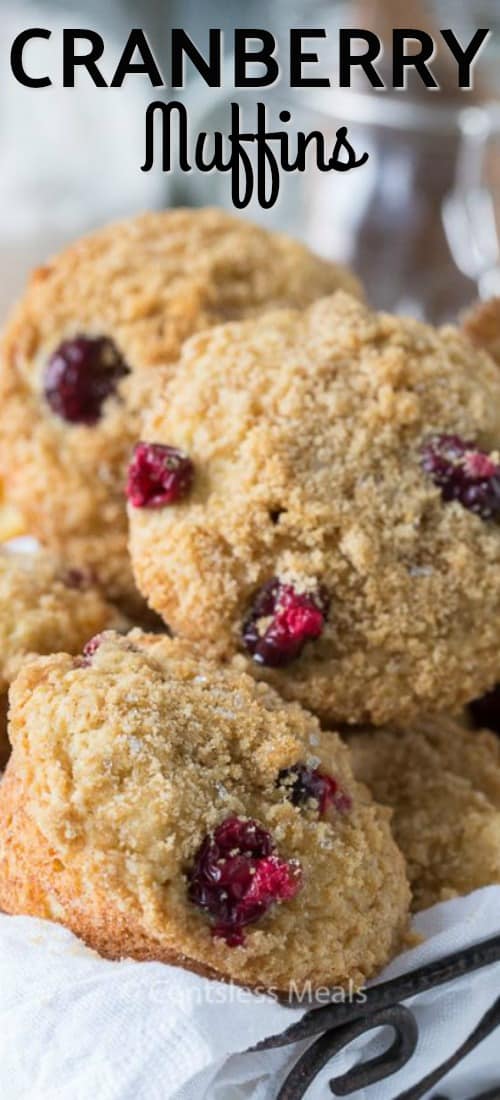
(74, 1026)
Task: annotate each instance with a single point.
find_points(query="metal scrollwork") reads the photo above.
(334, 1026)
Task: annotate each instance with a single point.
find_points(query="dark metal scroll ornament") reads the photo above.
(337, 1024)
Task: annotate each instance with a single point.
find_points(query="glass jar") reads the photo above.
(404, 219)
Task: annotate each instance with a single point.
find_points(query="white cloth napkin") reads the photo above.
(74, 1026)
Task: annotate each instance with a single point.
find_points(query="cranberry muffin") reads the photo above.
(164, 807)
(43, 609)
(82, 347)
(321, 492)
(481, 324)
(442, 781)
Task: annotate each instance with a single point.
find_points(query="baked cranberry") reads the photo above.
(80, 375)
(485, 711)
(158, 475)
(463, 473)
(295, 618)
(236, 877)
(79, 579)
(302, 783)
(92, 646)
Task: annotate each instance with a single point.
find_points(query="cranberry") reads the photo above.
(92, 646)
(158, 475)
(296, 618)
(80, 375)
(79, 579)
(485, 711)
(303, 783)
(463, 473)
(236, 877)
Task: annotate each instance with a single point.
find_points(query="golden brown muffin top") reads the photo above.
(317, 441)
(45, 608)
(442, 781)
(130, 760)
(128, 295)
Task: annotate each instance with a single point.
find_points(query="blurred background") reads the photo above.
(419, 222)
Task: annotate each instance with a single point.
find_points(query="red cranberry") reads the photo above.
(158, 475)
(92, 646)
(485, 711)
(296, 618)
(80, 375)
(463, 473)
(236, 877)
(88, 651)
(79, 579)
(303, 783)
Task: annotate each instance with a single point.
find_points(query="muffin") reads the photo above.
(83, 346)
(164, 807)
(43, 609)
(320, 493)
(442, 781)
